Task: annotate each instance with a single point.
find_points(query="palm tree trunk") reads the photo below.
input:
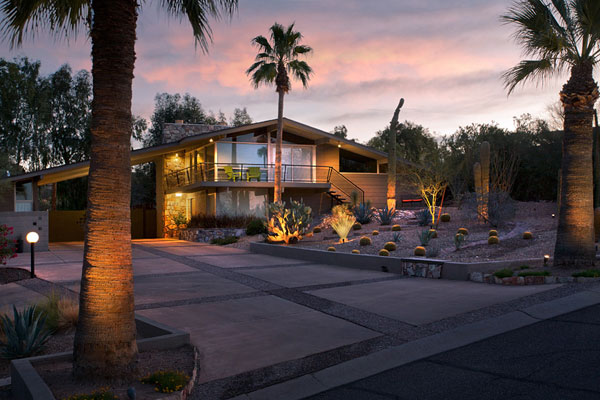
(277, 183)
(575, 232)
(105, 344)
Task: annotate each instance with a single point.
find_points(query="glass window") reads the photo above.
(241, 153)
(352, 162)
(24, 191)
(237, 201)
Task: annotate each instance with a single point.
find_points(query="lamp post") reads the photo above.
(32, 238)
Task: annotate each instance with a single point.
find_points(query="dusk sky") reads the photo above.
(445, 57)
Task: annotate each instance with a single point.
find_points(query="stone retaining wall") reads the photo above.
(205, 235)
(527, 280)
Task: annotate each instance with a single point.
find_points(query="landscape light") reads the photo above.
(339, 145)
(211, 140)
(178, 194)
(553, 215)
(32, 238)
(546, 259)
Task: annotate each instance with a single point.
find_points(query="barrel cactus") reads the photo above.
(464, 231)
(420, 251)
(527, 235)
(390, 246)
(433, 234)
(331, 248)
(317, 230)
(445, 217)
(384, 252)
(375, 233)
(355, 251)
(357, 226)
(493, 240)
(493, 232)
(396, 228)
(365, 241)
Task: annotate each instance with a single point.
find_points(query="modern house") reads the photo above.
(202, 169)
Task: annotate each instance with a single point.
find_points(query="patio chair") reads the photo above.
(231, 174)
(253, 172)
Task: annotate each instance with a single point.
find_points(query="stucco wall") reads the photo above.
(375, 187)
(25, 222)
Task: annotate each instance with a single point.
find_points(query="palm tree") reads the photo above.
(274, 62)
(565, 36)
(105, 344)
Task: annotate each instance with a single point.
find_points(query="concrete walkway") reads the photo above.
(259, 320)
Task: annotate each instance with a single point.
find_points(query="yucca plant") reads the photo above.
(342, 224)
(385, 215)
(25, 334)
(363, 212)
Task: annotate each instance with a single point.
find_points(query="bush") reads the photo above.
(25, 334)
(224, 241)
(459, 240)
(317, 230)
(423, 217)
(256, 227)
(384, 252)
(375, 233)
(7, 246)
(493, 240)
(419, 251)
(390, 246)
(503, 273)
(101, 394)
(424, 237)
(493, 232)
(342, 223)
(534, 273)
(221, 221)
(524, 267)
(355, 251)
(167, 381)
(363, 212)
(331, 248)
(432, 251)
(365, 241)
(433, 233)
(463, 231)
(527, 235)
(445, 217)
(288, 224)
(357, 226)
(385, 215)
(588, 273)
(396, 228)
(61, 313)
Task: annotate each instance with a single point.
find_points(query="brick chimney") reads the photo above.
(179, 130)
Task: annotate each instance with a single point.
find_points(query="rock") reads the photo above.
(476, 277)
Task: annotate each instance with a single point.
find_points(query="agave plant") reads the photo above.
(425, 237)
(423, 217)
(25, 335)
(385, 215)
(363, 212)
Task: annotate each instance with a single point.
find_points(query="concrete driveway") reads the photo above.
(261, 319)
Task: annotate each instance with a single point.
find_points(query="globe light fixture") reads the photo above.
(32, 238)
(546, 259)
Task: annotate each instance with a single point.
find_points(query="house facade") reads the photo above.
(204, 169)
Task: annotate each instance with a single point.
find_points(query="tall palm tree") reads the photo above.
(274, 62)
(105, 342)
(561, 36)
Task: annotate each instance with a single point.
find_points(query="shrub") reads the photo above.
(423, 217)
(503, 273)
(317, 230)
(102, 394)
(342, 223)
(524, 267)
(527, 235)
(357, 226)
(363, 212)
(331, 248)
(493, 240)
(424, 237)
(256, 227)
(25, 334)
(385, 215)
(375, 233)
(7, 246)
(432, 251)
(397, 237)
(459, 240)
(225, 240)
(588, 273)
(288, 224)
(534, 273)
(419, 251)
(365, 241)
(463, 231)
(167, 381)
(355, 251)
(221, 221)
(445, 217)
(390, 246)
(396, 228)
(180, 220)
(433, 234)
(61, 313)
(384, 252)
(493, 232)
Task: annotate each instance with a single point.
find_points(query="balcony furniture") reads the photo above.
(253, 172)
(231, 174)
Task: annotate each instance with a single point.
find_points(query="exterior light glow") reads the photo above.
(178, 194)
(546, 259)
(32, 237)
(339, 145)
(553, 215)
(211, 140)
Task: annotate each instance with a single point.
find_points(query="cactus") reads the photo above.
(365, 241)
(493, 232)
(459, 239)
(355, 251)
(433, 234)
(375, 233)
(481, 175)
(384, 252)
(419, 251)
(331, 248)
(317, 230)
(396, 228)
(357, 226)
(527, 235)
(463, 231)
(493, 240)
(478, 189)
(445, 217)
(390, 246)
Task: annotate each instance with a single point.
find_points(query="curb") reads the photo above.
(393, 357)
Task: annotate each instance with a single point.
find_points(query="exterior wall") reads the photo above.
(25, 222)
(174, 205)
(174, 132)
(319, 201)
(375, 187)
(328, 155)
(7, 196)
(66, 225)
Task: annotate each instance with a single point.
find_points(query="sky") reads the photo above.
(444, 57)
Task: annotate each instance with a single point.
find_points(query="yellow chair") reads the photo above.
(231, 174)
(253, 172)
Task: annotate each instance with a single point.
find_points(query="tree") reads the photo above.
(340, 131)
(391, 178)
(105, 343)
(274, 62)
(413, 142)
(565, 35)
(240, 117)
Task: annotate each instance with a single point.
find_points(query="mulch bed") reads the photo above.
(9, 274)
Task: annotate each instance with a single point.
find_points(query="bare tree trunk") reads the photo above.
(277, 183)
(105, 344)
(391, 178)
(575, 232)
(596, 158)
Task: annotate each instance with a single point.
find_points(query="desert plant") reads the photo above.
(384, 252)
(385, 215)
(493, 232)
(588, 273)
(534, 273)
(390, 246)
(423, 217)
(425, 237)
(167, 381)
(60, 313)
(433, 233)
(365, 241)
(256, 227)
(100, 394)
(317, 230)
(24, 335)
(355, 251)
(459, 240)
(357, 226)
(503, 273)
(501, 208)
(7, 246)
(463, 231)
(224, 240)
(342, 224)
(288, 224)
(363, 212)
(432, 251)
(493, 240)
(420, 251)
(527, 235)
(340, 209)
(179, 219)
(397, 237)
(445, 217)
(396, 228)
(331, 248)
(375, 233)
(524, 267)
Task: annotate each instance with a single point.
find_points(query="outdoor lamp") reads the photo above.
(553, 215)
(339, 145)
(32, 238)
(546, 259)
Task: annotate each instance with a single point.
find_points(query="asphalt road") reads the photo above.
(553, 359)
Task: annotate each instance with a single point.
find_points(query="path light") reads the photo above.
(32, 238)
(546, 259)
(553, 215)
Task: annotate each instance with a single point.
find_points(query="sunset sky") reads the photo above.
(445, 57)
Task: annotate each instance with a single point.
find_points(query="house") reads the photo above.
(219, 169)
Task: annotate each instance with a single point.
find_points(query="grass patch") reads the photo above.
(535, 273)
(588, 273)
(225, 240)
(503, 273)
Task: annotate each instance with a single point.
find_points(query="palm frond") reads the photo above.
(587, 14)
(301, 70)
(302, 49)
(263, 73)
(530, 70)
(263, 44)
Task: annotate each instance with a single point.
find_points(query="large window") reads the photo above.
(241, 153)
(237, 201)
(352, 162)
(24, 196)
